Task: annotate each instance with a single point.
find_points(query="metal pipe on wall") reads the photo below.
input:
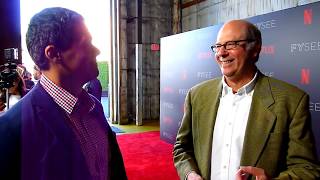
(114, 63)
(139, 64)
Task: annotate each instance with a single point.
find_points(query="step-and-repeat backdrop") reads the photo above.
(290, 52)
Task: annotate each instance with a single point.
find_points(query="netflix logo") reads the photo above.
(269, 50)
(307, 16)
(305, 76)
(205, 55)
(167, 120)
(168, 90)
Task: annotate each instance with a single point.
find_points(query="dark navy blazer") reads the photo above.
(36, 142)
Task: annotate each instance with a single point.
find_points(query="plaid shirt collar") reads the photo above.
(62, 97)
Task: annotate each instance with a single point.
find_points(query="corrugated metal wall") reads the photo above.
(211, 12)
(156, 23)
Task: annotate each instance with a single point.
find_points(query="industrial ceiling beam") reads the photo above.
(191, 3)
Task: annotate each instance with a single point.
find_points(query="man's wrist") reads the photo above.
(186, 177)
(192, 172)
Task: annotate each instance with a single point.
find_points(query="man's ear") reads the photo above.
(256, 49)
(52, 53)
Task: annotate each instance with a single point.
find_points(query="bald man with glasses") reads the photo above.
(244, 125)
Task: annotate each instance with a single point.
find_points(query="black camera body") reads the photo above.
(8, 71)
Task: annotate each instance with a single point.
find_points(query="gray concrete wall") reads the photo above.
(211, 12)
(156, 23)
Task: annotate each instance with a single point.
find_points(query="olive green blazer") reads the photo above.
(278, 136)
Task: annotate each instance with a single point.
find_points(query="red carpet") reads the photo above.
(146, 157)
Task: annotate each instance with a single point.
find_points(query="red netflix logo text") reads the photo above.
(267, 49)
(305, 76)
(205, 55)
(168, 90)
(307, 16)
(167, 120)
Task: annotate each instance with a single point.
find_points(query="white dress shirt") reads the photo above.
(229, 130)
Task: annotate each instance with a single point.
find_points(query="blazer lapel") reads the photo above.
(56, 148)
(206, 124)
(53, 117)
(260, 122)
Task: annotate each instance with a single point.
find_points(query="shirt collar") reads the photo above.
(62, 97)
(244, 90)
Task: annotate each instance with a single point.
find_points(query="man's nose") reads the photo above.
(222, 52)
(97, 51)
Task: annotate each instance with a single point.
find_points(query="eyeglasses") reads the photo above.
(229, 45)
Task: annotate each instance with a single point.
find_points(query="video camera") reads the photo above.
(8, 71)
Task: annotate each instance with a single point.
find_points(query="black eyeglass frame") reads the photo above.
(215, 48)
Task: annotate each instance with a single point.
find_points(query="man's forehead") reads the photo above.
(81, 30)
(230, 35)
